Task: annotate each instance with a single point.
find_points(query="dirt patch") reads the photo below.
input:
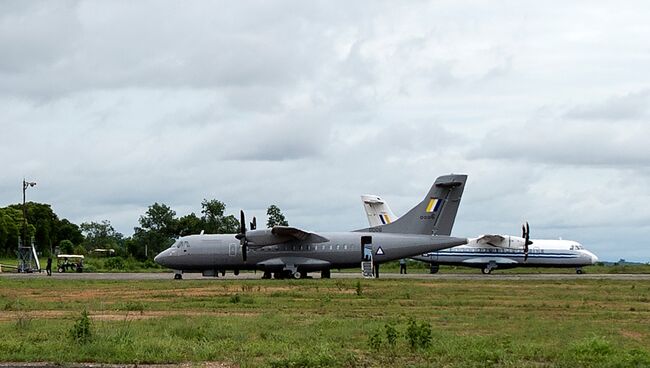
(116, 316)
(100, 365)
(632, 335)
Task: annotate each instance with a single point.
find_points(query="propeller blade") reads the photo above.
(254, 223)
(527, 241)
(242, 235)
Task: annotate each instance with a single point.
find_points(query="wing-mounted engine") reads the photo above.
(502, 241)
(509, 242)
(276, 235)
(264, 237)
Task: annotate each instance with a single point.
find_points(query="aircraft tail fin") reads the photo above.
(436, 213)
(377, 210)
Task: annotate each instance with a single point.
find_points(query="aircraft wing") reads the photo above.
(281, 234)
(493, 240)
(295, 233)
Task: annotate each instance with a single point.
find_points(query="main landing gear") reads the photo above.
(579, 271)
(434, 268)
(285, 274)
(178, 275)
(325, 274)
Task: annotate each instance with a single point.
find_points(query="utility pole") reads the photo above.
(26, 253)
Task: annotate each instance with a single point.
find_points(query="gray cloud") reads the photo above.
(633, 106)
(111, 106)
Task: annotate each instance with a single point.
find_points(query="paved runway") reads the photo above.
(335, 275)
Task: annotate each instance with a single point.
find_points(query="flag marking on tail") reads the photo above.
(434, 205)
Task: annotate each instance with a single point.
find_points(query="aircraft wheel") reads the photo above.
(266, 276)
(178, 276)
(486, 270)
(579, 271)
(236, 272)
(277, 275)
(434, 268)
(325, 274)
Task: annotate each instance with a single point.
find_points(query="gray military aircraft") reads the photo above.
(285, 251)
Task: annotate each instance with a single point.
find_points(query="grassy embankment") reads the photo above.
(309, 323)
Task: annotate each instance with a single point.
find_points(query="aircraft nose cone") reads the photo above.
(594, 259)
(160, 258)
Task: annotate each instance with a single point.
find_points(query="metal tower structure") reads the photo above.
(27, 258)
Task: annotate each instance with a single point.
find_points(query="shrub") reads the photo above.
(235, 299)
(79, 249)
(391, 335)
(418, 335)
(81, 330)
(115, 263)
(375, 341)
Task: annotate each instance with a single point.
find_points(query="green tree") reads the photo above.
(214, 220)
(190, 224)
(11, 224)
(67, 230)
(276, 218)
(161, 219)
(44, 220)
(100, 235)
(158, 227)
(66, 247)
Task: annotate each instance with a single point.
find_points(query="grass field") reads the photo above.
(322, 323)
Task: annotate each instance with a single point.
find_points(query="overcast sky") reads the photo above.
(114, 105)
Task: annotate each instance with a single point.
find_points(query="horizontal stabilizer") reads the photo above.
(450, 181)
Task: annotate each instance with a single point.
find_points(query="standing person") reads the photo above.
(48, 268)
(402, 266)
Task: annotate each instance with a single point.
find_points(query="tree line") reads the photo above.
(158, 227)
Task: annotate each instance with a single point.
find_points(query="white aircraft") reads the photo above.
(488, 252)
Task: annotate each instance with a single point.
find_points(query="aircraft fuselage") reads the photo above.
(341, 250)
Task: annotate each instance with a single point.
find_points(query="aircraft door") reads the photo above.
(366, 248)
(367, 266)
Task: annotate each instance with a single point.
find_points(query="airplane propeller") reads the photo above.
(254, 223)
(525, 233)
(242, 235)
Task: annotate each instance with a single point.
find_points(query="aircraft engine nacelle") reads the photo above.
(502, 241)
(263, 237)
(513, 242)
